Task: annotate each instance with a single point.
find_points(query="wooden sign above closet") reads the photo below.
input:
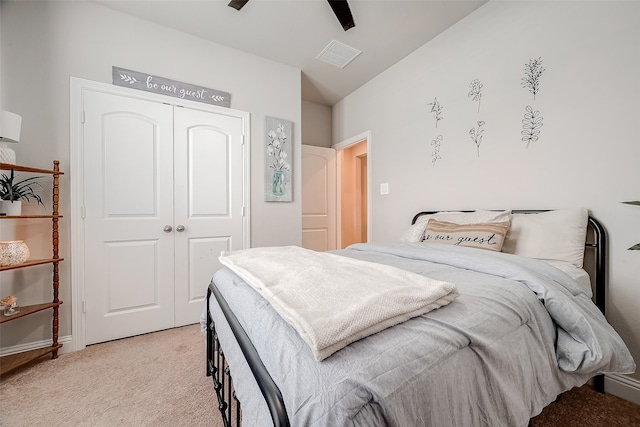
(161, 85)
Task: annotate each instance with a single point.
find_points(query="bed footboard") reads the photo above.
(218, 369)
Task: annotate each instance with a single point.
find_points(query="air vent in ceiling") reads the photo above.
(338, 54)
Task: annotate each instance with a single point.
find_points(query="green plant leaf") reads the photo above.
(19, 190)
(635, 247)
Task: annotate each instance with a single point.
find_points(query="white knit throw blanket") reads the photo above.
(332, 300)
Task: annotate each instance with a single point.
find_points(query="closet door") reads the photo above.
(128, 213)
(209, 197)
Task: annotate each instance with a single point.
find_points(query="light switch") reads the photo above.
(384, 188)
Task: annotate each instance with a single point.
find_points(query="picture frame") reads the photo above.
(278, 165)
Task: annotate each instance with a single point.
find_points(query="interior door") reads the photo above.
(128, 202)
(319, 189)
(209, 205)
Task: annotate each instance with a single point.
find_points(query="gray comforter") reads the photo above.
(520, 333)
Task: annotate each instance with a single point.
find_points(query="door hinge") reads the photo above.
(243, 211)
(84, 305)
(83, 117)
(82, 212)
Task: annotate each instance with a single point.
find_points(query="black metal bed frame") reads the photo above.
(217, 368)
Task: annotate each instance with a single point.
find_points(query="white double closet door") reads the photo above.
(163, 195)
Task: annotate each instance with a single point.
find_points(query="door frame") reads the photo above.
(364, 136)
(77, 87)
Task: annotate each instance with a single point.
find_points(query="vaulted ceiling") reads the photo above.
(294, 32)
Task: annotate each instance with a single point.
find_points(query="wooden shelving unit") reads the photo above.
(12, 361)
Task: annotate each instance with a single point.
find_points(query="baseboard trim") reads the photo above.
(66, 342)
(622, 386)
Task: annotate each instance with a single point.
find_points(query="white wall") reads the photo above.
(316, 124)
(45, 43)
(589, 146)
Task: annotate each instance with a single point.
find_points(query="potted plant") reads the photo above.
(13, 192)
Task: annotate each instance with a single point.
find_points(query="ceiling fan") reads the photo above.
(340, 8)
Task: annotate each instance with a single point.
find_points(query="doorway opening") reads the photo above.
(353, 199)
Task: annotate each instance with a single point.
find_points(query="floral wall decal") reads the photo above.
(531, 122)
(531, 125)
(278, 169)
(532, 72)
(435, 154)
(476, 135)
(436, 110)
(475, 92)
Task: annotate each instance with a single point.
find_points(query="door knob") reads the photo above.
(167, 229)
(180, 228)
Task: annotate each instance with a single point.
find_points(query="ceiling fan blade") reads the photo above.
(237, 4)
(343, 13)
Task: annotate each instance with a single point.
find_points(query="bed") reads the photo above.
(520, 327)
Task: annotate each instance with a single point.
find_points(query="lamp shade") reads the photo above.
(10, 124)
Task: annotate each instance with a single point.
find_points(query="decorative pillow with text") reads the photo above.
(487, 235)
(415, 233)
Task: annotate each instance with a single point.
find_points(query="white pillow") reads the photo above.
(475, 217)
(554, 235)
(415, 233)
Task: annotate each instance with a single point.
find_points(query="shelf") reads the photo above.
(12, 361)
(18, 168)
(31, 216)
(27, 310)
(31, 262)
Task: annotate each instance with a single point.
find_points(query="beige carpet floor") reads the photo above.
(159, 380)
(155, 379)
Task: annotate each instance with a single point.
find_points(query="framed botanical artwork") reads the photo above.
(278, 160)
